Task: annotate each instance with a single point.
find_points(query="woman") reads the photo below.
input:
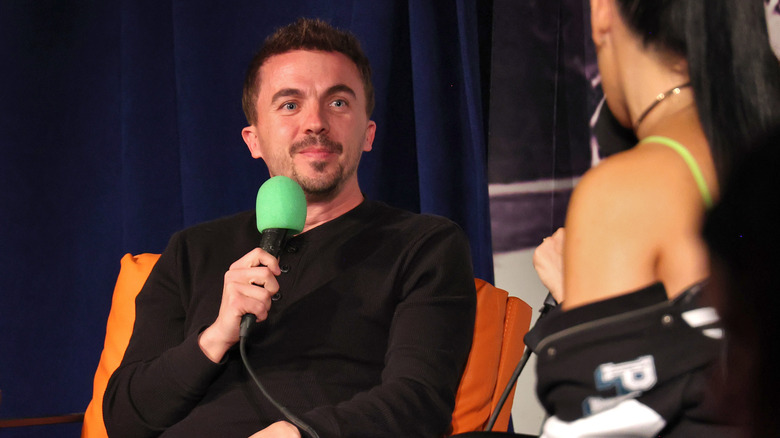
(631, 350)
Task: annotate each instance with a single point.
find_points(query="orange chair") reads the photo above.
(501, 322)
(133, 272)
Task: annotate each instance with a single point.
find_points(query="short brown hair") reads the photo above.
(305, 34)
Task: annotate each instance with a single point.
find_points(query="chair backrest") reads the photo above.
(132, 275)
(501, 322)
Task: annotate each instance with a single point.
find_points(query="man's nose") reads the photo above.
(315, 121)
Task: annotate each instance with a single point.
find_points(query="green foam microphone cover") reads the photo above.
(281, 204)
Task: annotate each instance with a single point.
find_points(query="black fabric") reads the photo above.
(120, 124)
(633, 348)
(612, 137)
(491, 435)
(368, 337)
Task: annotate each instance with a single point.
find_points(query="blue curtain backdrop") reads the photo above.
(120, 124)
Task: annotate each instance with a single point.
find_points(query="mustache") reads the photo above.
(312, 140)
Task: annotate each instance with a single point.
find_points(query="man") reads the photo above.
(365, 322)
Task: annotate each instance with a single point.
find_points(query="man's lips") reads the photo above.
(317, 151)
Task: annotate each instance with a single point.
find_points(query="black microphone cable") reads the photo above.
(549, 303)
(300, 424)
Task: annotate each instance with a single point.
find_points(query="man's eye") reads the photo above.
(290, 106)
(339, 103)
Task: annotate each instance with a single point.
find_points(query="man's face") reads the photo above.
(311, 122)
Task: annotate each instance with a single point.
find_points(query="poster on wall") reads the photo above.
(544, 90)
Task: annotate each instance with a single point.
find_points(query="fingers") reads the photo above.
(280, 429)
(553, 242)
(249, 284)
(548, 263)
(557, 238)
(249, 279)
(257, 257)
(249, 290)
(246, 298)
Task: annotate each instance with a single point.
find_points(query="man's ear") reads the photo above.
(252, 141)
(370, 133)
(601, 19)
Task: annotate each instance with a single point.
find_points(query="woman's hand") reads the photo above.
(548, 262)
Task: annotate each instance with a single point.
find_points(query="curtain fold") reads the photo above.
(120, 124)
(448, 116)
(151, 191)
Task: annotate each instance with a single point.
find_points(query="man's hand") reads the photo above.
(548, 262)
(249, 285)
(280, 429)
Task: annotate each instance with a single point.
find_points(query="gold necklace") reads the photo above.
(658, 99)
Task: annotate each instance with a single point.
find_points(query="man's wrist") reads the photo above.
(214, 349)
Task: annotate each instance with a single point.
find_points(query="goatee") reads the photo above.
(326, 186)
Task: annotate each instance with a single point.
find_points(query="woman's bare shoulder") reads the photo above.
(633, 184)
(619, 214)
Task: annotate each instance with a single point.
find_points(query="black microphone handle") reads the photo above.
(271, 241)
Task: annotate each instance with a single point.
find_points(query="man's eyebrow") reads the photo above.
(286, 92)
(294, 92)
(341, 88)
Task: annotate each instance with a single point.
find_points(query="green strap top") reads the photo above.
(689, 160)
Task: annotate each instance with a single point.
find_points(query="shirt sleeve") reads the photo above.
(430, 339)
(164, 373)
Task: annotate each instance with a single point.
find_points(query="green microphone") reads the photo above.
(281, 213)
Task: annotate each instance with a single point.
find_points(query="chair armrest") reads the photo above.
(40, 421)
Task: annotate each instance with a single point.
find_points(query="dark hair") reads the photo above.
(734, 73)
(742, 237)
(305, 34)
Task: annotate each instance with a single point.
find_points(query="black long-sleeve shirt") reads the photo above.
(368, 337)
